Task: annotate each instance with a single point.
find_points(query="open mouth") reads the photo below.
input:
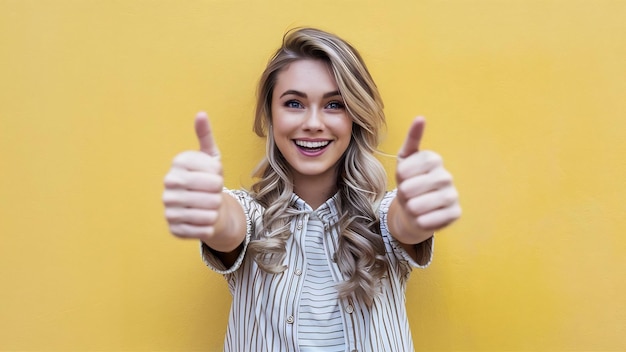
(311, 146)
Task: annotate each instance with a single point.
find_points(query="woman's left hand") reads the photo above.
(426, 192)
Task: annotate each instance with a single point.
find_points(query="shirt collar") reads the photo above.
(327, 212)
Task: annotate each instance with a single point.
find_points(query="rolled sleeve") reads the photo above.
(208, 255)
(424, 249)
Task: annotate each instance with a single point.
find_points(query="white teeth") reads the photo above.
(308, 144)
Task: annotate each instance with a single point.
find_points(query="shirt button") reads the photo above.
(298, 272)
(290, 319)
(299, 225)
(349, 309)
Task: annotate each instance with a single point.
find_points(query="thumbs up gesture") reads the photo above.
(193, 187)
(426, 193)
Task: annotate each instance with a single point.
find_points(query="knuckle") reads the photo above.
(450, 197)
(172, 215)
(413, 207)
(209, 201)
(167, 179)
(402, 171)
(181, 159)
(215, 184)
(166, 198)
(436, 158)
(208, 232)
(219, 170)
(211, 217)
(190, 231)
(171, 198)
(423, 222)
(433, 160)
(219, 200)
(177, 230)
(172, 180)
(172, 230)
(456, 211)
(446, 177)
(403, 189)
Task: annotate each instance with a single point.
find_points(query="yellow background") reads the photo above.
(526, 101)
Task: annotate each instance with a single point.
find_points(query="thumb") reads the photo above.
(414, 138)
(205, 135)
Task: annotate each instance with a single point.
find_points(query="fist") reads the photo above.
(193, 187)
(426, 192)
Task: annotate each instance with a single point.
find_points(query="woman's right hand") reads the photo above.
(193, 188)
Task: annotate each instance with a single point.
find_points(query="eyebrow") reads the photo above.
(303, 95)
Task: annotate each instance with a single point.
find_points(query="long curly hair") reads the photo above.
(361, 180)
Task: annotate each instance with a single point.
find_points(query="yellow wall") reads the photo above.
(526, 100)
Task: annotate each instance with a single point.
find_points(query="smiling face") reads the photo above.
(310, 124)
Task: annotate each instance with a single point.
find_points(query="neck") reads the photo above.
(315, 190)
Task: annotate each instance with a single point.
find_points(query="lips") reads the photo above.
(311, 148)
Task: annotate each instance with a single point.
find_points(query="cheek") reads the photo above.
(281, 133)
(346, 127)
(281, 126)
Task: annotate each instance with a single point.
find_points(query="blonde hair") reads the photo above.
(361, 178)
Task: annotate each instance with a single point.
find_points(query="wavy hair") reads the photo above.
(361, 180)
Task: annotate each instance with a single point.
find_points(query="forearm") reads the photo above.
(230, 229)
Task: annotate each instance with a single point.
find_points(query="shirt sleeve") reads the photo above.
(208, 255)
(424, 249)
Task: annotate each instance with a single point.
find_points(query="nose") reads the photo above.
(314, 120)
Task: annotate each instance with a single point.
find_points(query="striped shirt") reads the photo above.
(319, 316)
(298, 309)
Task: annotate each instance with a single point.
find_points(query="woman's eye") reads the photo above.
(293, 104)
(335, 105)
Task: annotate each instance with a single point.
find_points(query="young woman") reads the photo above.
(317, 253)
